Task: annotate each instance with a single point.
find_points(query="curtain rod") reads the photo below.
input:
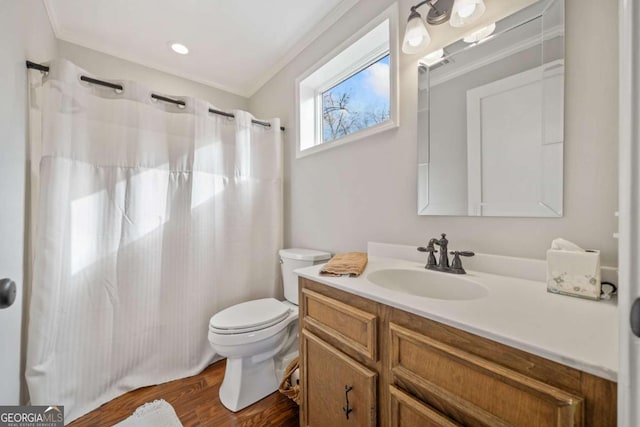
(115, 86)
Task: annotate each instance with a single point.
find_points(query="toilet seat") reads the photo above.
(249, 316)
(236, 338)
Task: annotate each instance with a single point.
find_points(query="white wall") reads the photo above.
(341, 198)
(25, 33)
(107, 66)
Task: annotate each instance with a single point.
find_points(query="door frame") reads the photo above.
(629, 211)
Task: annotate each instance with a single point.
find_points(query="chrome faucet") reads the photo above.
(443, 262)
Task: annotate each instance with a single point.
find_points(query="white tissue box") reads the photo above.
(574, 273)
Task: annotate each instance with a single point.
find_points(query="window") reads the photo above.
(358, 102)
(351, 93)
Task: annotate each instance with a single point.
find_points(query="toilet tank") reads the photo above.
(292, 259)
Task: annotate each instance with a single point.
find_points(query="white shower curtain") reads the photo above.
(150, 218)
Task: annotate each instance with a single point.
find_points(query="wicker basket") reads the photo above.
(292, 391)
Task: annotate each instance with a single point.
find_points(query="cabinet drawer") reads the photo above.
(407, 411)
(350, 326)
(473, 390)
(329, 378)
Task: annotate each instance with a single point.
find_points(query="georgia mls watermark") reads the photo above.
(31, 416)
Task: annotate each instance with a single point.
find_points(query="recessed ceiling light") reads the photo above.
(179, 48)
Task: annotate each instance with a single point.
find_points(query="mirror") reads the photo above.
(490, 120)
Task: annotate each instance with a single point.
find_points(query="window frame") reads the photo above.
(308, 102)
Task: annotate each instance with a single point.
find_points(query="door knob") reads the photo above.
(8, 292)
(635, 317)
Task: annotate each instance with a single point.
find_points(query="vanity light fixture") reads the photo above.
(457, 12)
(480, 34)
(466, 12)
(179, 48)
(416, 35)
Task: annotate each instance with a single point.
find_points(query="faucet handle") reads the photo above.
(456, 264)
(431, 259)
(430, 248)
(462, 253)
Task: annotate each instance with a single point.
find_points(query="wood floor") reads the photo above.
(195, 400)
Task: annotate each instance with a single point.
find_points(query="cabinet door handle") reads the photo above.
(348, 409)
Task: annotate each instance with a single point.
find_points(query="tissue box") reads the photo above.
(574, 273)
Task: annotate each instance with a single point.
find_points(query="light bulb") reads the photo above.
(467, 11)
(416, 35)
(415, 38)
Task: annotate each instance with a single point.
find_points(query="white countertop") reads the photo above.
(520, 313)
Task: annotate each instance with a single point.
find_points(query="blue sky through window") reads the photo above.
(359, 102)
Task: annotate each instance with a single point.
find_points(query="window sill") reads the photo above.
(361, 134)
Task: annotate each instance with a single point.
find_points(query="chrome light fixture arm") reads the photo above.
(439, 11)
(458, 13)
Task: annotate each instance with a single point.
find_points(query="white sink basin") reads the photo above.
(429, 284)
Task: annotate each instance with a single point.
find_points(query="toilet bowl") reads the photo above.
(253, 351)
(259, 338)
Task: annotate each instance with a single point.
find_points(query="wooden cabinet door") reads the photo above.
(406, 411)
(334, 384)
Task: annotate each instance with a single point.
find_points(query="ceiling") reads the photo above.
(234, 45)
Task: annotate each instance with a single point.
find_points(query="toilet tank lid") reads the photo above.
(304, 254)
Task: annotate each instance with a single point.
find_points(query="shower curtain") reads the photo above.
(150, 218)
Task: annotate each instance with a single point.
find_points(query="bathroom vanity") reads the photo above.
(371, 356)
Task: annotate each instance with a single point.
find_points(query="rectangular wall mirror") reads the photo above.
(491, 120)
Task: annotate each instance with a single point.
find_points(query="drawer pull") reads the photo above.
(348, 409)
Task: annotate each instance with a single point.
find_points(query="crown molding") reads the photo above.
(53, 19)
(298, 46)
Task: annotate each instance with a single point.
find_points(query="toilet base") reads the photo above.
(245, 382)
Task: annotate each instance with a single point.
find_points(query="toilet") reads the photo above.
(259, 338)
